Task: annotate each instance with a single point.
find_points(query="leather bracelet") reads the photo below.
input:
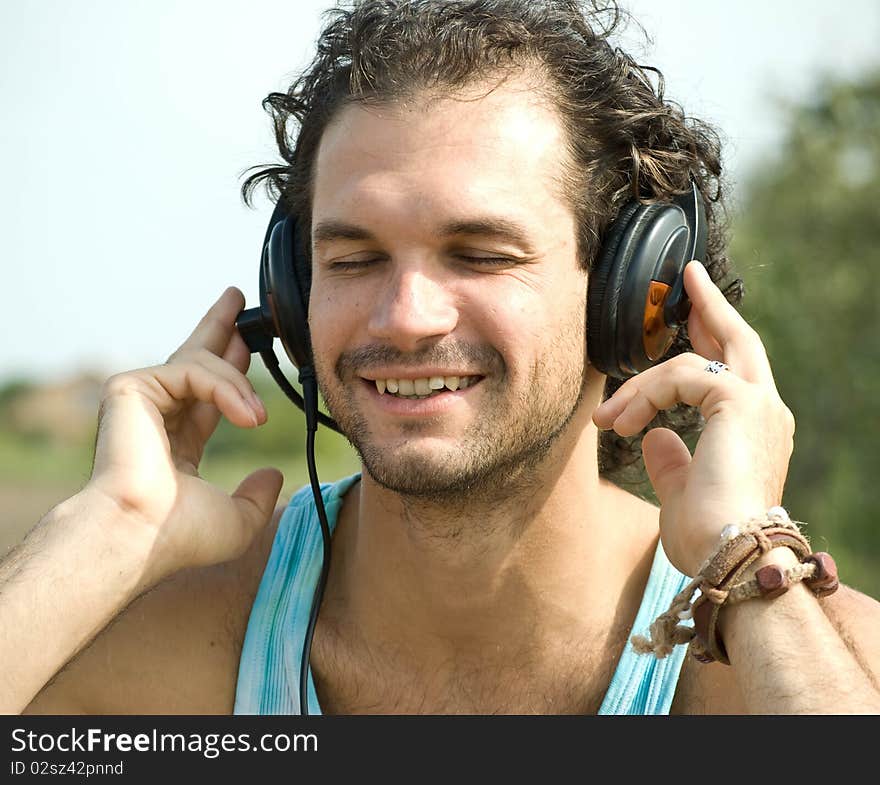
(717, 582)
(817, 570)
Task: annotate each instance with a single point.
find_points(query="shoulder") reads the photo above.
(174, 650)
(712, 688)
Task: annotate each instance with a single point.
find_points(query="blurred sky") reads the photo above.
(126, 126)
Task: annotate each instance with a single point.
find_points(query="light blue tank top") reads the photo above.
(268, 673)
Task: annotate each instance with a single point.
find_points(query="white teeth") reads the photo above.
(425, 386)
(406, 386)
(422, 387)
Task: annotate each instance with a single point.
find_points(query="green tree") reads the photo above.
(807, 243)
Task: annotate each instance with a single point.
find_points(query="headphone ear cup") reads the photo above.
(284, 291)
(628, 328)
(603, 291)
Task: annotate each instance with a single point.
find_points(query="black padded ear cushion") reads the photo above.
(302, 266)
(600, 334)
(289, 312)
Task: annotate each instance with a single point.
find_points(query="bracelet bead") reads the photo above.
(772, 581)
(824, 580)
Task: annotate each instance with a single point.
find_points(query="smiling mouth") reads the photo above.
(416, 389)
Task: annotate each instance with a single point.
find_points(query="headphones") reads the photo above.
(636, 300)
(636, 303)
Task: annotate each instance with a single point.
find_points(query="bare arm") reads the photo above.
(799, 655)
(59, 588)
(144, 516)
(174, 650)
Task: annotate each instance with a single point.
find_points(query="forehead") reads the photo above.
(498, 146)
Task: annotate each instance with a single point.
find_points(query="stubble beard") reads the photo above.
(498, 456)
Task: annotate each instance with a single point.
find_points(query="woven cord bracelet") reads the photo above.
(717, 578)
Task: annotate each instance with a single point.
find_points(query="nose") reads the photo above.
(413, 308)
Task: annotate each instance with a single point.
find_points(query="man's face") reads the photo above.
(442, 251)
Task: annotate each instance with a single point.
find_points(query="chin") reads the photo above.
(414, 472)
(450, 478)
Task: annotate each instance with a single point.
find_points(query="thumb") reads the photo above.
(667, 461)
(256, 497)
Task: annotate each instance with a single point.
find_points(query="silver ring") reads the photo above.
(716, 367)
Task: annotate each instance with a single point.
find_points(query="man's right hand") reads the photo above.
(153, 425)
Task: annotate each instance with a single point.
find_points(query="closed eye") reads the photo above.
(488, 260)
(361, 264)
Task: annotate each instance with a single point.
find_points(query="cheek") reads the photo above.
(528, 319)
(517, 328)
(331, 322)
(334, 308)
(546, 335)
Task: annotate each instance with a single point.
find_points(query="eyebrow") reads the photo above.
(482, 226)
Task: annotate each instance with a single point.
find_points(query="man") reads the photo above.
(483, 561)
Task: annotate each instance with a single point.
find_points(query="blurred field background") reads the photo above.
(806, 240)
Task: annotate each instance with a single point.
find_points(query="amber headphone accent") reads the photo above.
(656, 334)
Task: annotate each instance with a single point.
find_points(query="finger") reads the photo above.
(173, 386)
(237, 353)
(608, 411)
(205, 416)
(224, 370)
(742, 348)
(252, 505)
(150, 407)
(217, 326)
(701, 339)
(255, 499)
(667, 462)
(681, 379)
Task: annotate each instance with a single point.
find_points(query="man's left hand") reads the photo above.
(740, 462)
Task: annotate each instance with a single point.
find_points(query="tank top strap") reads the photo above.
(643, 684)
(268, 672)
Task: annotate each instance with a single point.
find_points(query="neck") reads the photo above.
(563, 552)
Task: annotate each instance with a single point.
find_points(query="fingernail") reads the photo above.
(255, 418)
(257, 405)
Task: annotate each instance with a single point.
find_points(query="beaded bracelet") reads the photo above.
(716, 580)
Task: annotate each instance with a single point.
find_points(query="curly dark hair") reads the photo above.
(625, 140)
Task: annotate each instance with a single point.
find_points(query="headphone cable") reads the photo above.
(309, 404)
(310, 394)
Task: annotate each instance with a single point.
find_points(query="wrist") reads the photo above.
(112, 535)
(705, 543)
(730, 614)
(761, 558)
